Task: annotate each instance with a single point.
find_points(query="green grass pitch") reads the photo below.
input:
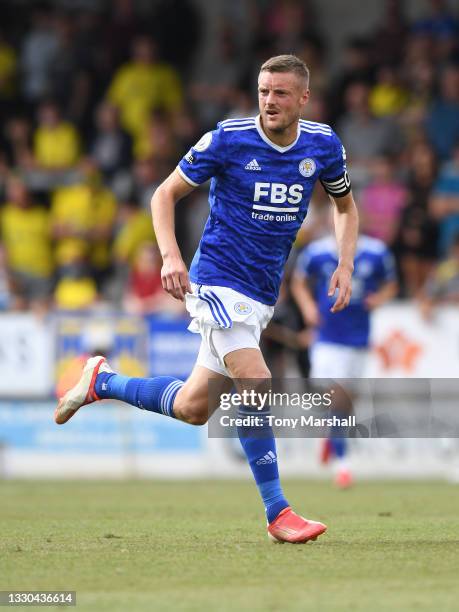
(148, 545)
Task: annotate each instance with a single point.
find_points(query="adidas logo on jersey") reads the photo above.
(268, 458)
(253, 165)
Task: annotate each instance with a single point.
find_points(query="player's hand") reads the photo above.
(174, 277)
(341, 280)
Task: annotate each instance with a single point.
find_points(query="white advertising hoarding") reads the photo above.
(26, 356)
(405, 344)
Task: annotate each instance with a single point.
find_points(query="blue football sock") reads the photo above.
(339, 447)
(260, 448)
(154, 394)
(338, 438)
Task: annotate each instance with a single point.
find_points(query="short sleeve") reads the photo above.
(204, 160)
(334, 176)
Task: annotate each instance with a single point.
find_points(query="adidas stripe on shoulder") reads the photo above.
(236, 120)
(231, 125)
(315, 125)
(315, 128)
(243, 127)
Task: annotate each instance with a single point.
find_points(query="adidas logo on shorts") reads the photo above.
(253, 165)
(268, 458)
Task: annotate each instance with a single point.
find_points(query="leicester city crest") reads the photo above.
(307, 167)
(242, 308)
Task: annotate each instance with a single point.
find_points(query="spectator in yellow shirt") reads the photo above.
(25, 233)
(56, 142)
(104, 212)
(144, 85)
(76, 290)
(135, 230)
(388, 96)
(83, 216)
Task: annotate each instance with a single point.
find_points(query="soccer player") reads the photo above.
(263, 171)
(341, 345)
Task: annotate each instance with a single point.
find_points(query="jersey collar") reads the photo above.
(273, 144)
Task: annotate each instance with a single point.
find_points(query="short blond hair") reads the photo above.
(287, 63)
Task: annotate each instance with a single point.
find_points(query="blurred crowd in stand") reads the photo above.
(99, 102)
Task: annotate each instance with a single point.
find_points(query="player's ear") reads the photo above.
(304, 97)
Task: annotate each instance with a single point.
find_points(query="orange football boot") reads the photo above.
(83, 392)
(291, 527)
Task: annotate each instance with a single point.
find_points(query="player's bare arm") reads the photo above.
(174, 273)
(346, 220)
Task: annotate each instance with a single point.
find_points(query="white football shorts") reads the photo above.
(329, 360)
(227, 321)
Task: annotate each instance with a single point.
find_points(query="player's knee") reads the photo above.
(257, 380)
(260, 382)
(252, 377)
(196, 417)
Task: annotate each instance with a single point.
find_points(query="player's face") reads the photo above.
(281, 98)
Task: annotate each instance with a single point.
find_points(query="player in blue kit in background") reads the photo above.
(263, 171)
(341, 344)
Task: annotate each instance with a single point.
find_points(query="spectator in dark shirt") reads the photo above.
(111, 146)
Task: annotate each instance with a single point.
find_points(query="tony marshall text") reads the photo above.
(292, 422)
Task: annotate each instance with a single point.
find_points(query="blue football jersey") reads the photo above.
(373, 266)
(259, 196)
